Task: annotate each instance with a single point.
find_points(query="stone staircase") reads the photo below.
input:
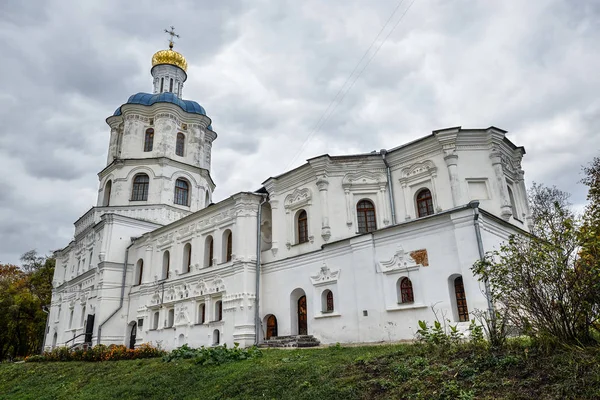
(291, 341)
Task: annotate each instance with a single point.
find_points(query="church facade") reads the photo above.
(353, 248)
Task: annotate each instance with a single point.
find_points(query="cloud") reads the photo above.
(267, 70)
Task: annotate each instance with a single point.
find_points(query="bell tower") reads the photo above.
(159, 156)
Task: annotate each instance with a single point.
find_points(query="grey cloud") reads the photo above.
(266, 72)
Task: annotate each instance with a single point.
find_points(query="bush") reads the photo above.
(98, 353)
(212, 355)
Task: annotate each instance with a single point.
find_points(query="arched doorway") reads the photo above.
(302, 323)
(271, 327)
(132, 335)
(298, 312)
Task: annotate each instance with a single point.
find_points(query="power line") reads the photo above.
(325, 117)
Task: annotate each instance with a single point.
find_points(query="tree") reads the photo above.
(589, 239)
(537, 280)
(23, 292)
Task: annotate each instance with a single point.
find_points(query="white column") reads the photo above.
(505, 206)
(451, 163)
(323, 184)
(348, 207)
(407, 200)
(383, 204)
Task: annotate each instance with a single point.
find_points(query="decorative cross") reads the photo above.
(173, 34)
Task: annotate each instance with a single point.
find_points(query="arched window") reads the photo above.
(302, 224)
(206, 199)
(365, 213)
(107, 190)
(155, 321)
(71, 319)
(181, 192)
(228, 240)
(208, 252)
(82, 321)
(166, 264)
(171, 318)
(327, 301)
(424, 203)
(461, 300)
(179, 145)
(187, 257)
(162, 84)
(202, 313)
(140, 187)
(406, 291)
(54, 339)
(513, 204)
(171, 86)
(139, 273)
(219, 311)
(216, 337)
(149, 139)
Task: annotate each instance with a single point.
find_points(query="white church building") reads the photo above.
(352, 248)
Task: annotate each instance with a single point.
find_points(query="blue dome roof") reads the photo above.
(148, 99)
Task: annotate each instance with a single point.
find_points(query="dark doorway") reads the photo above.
(271, 327)
(302, 325)
(132, 336)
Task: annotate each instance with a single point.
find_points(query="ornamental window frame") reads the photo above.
(299, 199)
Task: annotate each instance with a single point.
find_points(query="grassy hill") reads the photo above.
(401, 371)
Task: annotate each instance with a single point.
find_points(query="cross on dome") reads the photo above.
(173, 35)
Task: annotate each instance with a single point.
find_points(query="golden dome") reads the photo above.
(169, 56)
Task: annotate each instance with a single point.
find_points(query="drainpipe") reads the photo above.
(475, 206)
(383, 152)
(256, 311)
(133, 239)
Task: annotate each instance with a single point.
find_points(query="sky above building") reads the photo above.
(266, 72)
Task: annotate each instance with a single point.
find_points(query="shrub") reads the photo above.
(213, 355)
(98, 353)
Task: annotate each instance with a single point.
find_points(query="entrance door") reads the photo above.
(271, 327)
(302, 325)
(132, 336)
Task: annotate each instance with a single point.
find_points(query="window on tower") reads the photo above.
(162, 84)
(171, 86)
(181, 192)
(149, 139)
(140, 187)
(179, 146)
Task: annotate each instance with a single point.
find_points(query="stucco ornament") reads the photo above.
(400, 262)
(325, 276)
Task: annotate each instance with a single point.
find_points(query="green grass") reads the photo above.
(400, 371)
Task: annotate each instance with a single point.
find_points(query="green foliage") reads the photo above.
(98, 353)
(406, 371)
(538, 281)
(439, 334)
(213, 355)
(23, 292)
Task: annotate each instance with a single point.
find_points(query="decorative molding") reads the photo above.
(417, 171)
(298, 198)
(400, 262)
(325, 276)
(364, 179)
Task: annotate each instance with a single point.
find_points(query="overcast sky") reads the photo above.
(267, 70)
